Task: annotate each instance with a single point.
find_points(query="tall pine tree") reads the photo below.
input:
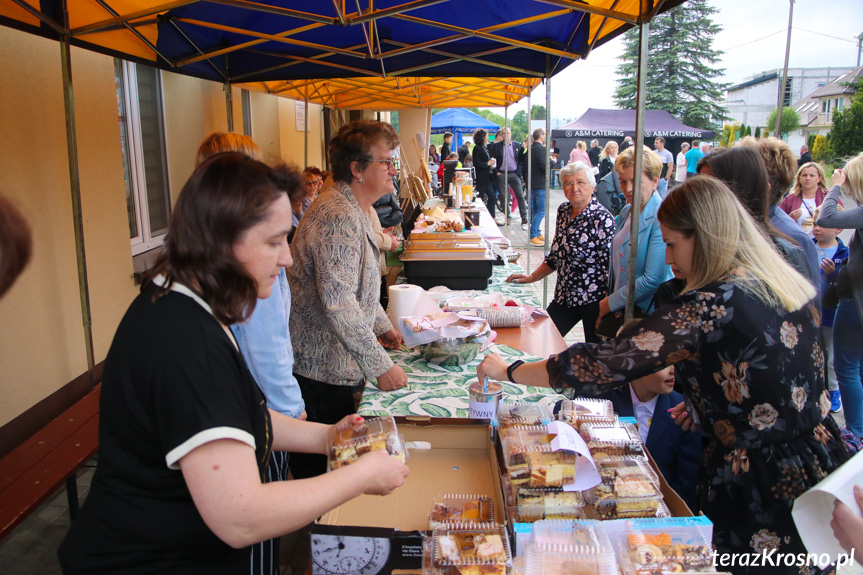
(681, 70)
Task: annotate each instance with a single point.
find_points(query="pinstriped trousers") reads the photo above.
(265, 555)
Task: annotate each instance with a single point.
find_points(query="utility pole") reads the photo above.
(781, 100)
(859, 47)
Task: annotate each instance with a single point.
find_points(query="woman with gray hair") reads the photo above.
(336, 320)
(579, 254)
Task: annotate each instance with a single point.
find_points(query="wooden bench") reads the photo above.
(34, 470)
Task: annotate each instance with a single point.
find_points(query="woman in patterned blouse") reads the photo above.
(338, 328)
(744, 340)
(579, 254)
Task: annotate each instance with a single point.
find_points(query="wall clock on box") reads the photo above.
(347, 555)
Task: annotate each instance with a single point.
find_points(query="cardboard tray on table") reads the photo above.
(373, 535)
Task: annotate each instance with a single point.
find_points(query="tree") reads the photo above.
(682, 72)
(790, 121)
(846, 136)
(820, 149)
(730, 134)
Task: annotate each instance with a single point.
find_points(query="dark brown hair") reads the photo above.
(314, 170)
(289, 179)
(16, 244)
(742, 169)
(480, 137)
(224, 197)
(353, 143)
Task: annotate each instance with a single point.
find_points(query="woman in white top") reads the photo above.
(680, 173)
(807, 194)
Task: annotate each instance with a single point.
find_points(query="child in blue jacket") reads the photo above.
(832, 254)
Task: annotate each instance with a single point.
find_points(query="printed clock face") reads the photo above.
(345, 555)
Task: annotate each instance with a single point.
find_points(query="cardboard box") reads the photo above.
(373, 535)
(370, 535)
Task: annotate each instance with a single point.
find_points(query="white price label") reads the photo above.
(586, 475)
(483, 409)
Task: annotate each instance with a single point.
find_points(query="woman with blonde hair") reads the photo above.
(745, 344)
(808, 192)
(848, 324)
(579, 153)
(606, 159)
(651, 269)
(219, 142)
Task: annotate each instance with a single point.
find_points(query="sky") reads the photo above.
(754, 37)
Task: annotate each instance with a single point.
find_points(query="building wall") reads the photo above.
(292, 140)
(193, 108)
(42, 341)
(752, 105)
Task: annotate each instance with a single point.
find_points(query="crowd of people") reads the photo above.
(244, 347)
(240, 354)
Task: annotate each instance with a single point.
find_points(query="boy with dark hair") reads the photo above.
(677, 452)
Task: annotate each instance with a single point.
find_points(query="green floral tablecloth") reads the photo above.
(524, 293)
(443, 391)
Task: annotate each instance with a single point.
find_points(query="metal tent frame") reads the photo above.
(375, 54)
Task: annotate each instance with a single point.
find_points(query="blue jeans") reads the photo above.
(662, 188)
(537, 211)
(848, 363)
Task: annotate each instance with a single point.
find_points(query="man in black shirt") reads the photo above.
(445, 149)
(593, 153)
(505, 153)
(805, 156)
(463, 151)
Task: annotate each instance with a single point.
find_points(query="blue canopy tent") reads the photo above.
(459, 121)
(390, 54)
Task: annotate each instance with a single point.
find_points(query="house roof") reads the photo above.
(839, 85)
(767, 76)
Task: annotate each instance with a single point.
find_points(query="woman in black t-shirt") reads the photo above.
(184, 431)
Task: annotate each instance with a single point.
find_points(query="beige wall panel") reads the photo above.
(106, 229)
(292, 140)
(193, 109)
(412, 121)
(41, 343)
(265, 124)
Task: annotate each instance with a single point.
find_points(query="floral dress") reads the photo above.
(753, 378)
(579, 253)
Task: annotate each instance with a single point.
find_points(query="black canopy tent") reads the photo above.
(607, 125)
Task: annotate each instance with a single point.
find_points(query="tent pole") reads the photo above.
(643, 30)
(528, 191)
(229, 104)
(75, 185)
(547, 173)
(503, 150)
(306, 129)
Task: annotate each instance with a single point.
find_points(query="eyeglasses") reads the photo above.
(580, 184)
(390, 162)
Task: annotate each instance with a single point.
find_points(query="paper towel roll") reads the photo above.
(403, 300)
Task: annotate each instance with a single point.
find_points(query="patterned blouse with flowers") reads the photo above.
(579, 254)
(753, 378)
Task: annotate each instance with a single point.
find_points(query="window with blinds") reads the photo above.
(142, 136)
